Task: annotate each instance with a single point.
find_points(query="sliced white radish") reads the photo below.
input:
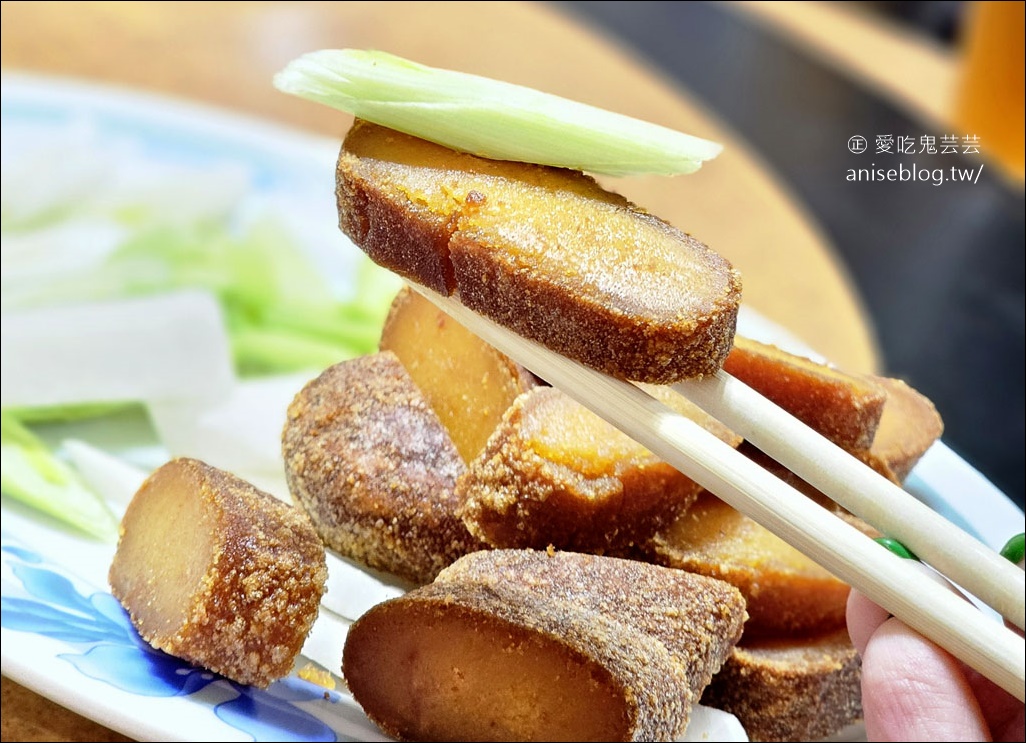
(109, 476)
(708, 724)
(162, 347)
(240, 432)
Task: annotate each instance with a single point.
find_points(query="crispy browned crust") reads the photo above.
(646, 639)
(845, 408)
(543, 251)
(554, 473)
(372, 465)
(258, 565)
(784, 690)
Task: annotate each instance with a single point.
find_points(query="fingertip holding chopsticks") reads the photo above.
(896, 584)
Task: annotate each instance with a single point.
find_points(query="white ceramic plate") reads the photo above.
(64, 636)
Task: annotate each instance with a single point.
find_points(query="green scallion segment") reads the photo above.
(897, 548)
(1015, 548)
(31, 474)
(490, 118)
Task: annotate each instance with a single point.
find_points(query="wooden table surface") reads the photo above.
(225, 54)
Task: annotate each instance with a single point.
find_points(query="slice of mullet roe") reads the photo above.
(375, 469)
(786, 592)
(845, 408)
(546, 252)
(544, 646)
(782, 689)
(555, 473)
(467, 382)
(909, 426)
(218, 573)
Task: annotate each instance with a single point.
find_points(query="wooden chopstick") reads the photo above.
(894, 583)
(862, 491)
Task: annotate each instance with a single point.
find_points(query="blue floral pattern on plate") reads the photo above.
(56, 611)
(114, 653)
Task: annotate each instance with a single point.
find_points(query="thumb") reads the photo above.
(914, 690)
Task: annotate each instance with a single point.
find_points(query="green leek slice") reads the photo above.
(30, 473)
(490, 118)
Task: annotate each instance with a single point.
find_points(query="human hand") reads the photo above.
(914, 690)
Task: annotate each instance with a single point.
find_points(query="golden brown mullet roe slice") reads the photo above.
(555, 473)
(786, 592)
(531, 645)
(908, 428)
(544, 251)
(218, 573)
(845, 408)
(375, 469)
(468, 383)
(786, 689)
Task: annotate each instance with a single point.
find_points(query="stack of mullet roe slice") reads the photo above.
(440, 447)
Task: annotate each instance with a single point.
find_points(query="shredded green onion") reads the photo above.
(92, 248)
(30, 473)
(69, 412)
(490, 118)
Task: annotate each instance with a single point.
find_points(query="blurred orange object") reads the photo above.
(989, 102)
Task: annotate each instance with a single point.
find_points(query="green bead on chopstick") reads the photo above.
(897, 548)
(1015, 548)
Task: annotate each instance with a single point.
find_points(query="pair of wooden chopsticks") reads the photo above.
(896, 584)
